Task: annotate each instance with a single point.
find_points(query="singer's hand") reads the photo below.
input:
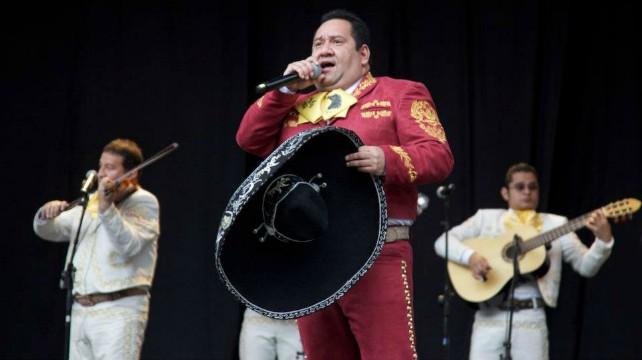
(369, 159)
(52, 209)
(106, 194)
(305, 70)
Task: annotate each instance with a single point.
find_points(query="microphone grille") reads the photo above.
(316, 70)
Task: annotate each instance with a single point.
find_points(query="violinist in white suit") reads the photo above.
(115, 257)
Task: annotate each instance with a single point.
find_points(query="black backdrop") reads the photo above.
(554, 83)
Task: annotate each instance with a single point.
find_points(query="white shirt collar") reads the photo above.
(353, 86)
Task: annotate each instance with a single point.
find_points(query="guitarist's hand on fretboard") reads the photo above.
(599, 225)
(478, 266)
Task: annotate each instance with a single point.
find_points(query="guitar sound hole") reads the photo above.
(508, 252)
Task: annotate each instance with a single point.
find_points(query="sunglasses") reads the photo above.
(522, 186)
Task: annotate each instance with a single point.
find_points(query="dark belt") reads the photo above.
(93, 299)
(533, 303)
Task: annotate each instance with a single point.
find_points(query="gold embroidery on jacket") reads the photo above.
(368, 80)
(116, 261)
(377, 109)
(426, 117)
(376, 103)
(259, 102)
(376, 114)
(407, 162)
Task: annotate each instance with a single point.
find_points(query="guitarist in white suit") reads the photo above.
(532, 292)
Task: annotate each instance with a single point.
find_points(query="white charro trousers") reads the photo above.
(109, 330)
(529, 335)
(263, 338)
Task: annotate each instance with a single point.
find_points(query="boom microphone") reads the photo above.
(89, 182)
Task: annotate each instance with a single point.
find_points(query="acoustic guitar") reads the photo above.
(531, 253)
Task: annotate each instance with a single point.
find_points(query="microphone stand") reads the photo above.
(444, 299)
(511, 296)
(67, 276)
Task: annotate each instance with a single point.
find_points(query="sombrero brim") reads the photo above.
(288, 280)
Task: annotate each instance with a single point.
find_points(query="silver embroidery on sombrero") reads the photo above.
(255, 181)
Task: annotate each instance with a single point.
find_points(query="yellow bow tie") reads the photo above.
(325, 105)
(522, 217)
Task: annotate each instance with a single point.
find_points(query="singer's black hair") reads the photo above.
(519, 167)
(128, 149)
(360, 30)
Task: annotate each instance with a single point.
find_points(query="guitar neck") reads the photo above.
(547, 237)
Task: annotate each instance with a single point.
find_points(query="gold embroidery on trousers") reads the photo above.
(133, 336)
(426, 117)
(407, 162)
(409, 316)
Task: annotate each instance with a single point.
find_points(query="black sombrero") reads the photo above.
(302, 228)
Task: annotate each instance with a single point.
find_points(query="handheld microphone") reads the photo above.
(444, 191)
(285, 80)
(90, 181)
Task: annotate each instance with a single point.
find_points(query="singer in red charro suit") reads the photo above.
(405, 145)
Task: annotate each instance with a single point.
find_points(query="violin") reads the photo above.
(126, 180)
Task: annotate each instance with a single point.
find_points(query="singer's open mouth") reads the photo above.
(326, 65)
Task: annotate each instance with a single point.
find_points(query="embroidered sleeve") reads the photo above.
(423, 154)
(259, 130)
(137, 224)
(57, 229)
(407, 162)
(426, 118)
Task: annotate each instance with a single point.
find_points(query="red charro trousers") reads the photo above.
(374, 320)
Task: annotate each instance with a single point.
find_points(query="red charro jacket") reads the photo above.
(397, 115)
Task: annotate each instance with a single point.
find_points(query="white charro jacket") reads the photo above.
(490, 222)
(117, 249)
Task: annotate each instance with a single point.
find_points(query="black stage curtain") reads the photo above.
(554, 83)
